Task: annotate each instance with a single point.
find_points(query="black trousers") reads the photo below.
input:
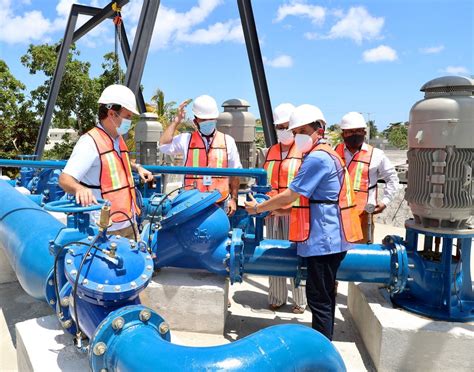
(320, 291)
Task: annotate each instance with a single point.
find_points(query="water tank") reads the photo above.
(441, 154)
(239, 123)
(147, 136)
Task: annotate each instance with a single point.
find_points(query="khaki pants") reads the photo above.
(127, 232)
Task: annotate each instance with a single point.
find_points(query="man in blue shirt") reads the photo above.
(319, 179)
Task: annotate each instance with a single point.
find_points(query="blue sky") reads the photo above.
(370, 56)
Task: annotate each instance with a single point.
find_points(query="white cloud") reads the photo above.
(282, 61)
(456, 70)
(300, 8)
(357, 25)
(432, 50)
(312, 36)
(380, 54)
(228, 31)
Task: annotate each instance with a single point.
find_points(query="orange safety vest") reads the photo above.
(359, 171)
(116, 181)
(282, 171)
(300, 223)
(214, 157)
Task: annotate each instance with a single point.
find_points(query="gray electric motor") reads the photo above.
(147, 136)
(239, 123)
(441, 154)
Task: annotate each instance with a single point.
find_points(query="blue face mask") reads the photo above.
(124, 126)
(207, 127)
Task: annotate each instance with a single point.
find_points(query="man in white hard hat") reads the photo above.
(366, 165)
(324, 222)
(99, 166)
(205, 147)
(282, 162)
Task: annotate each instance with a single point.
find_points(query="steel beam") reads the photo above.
(141, 43)
(258, 72)
(56, 81)
(97, 18)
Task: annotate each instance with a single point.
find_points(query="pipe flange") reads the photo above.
(236, 258)
(398, 264)
(118, 323)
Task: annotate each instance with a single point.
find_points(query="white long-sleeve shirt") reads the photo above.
(180, 144)
(380, 168)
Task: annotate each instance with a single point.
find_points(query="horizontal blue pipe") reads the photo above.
(259, 174)
(278, 348)
(363, 263)
(25, 233)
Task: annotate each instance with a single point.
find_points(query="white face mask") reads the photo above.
(207, 127)
(285, 137)
(303, 142)
(124, 126)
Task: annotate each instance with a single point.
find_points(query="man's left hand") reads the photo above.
(379, 208)
(145, 174)
(231, 207)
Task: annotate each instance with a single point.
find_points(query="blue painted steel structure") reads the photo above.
(440, 284)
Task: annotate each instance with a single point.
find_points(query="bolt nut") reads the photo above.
(100, 287)
(73, 272)
(164, 328)
(133, 285)
(118, 323)
(90, 237)
(411, 266)
(85, 281)
(69, 261)
(50, 282)
(65, 301)
(67, 324)
(145, 315)
(396, 265)
(117, 288)
(52, 302)
(99, 349)
(113, 245)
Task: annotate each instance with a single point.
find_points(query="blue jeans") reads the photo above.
(320, 292)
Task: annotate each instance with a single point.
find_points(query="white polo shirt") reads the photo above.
(180, 144)
(380, 168)
(84, 166)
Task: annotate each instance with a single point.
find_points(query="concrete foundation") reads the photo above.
(189, 300)
(42, 345)
(401, 341)
(7, 275)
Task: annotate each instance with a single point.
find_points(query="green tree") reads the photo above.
(76, 105)
(19, 122)
(397, 135)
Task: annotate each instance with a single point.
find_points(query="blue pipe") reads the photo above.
(25, 232)
(259, 174)
(371, 263)
(143, 343)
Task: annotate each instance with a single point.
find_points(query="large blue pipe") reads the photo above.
(25, 233)
(142, 345)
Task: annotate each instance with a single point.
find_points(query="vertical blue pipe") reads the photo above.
(25, 232)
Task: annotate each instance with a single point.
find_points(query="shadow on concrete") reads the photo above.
(18, 306)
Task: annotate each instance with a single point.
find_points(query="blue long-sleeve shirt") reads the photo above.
(320, 178)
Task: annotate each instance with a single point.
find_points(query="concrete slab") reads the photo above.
(7, 275)
(42, 345)
(7, 351)
(189, 300)
(401, 341)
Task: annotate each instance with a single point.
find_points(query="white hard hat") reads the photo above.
(117, 94)
(205, 107)
(353, 120)
(305, 114)
(281, 113)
